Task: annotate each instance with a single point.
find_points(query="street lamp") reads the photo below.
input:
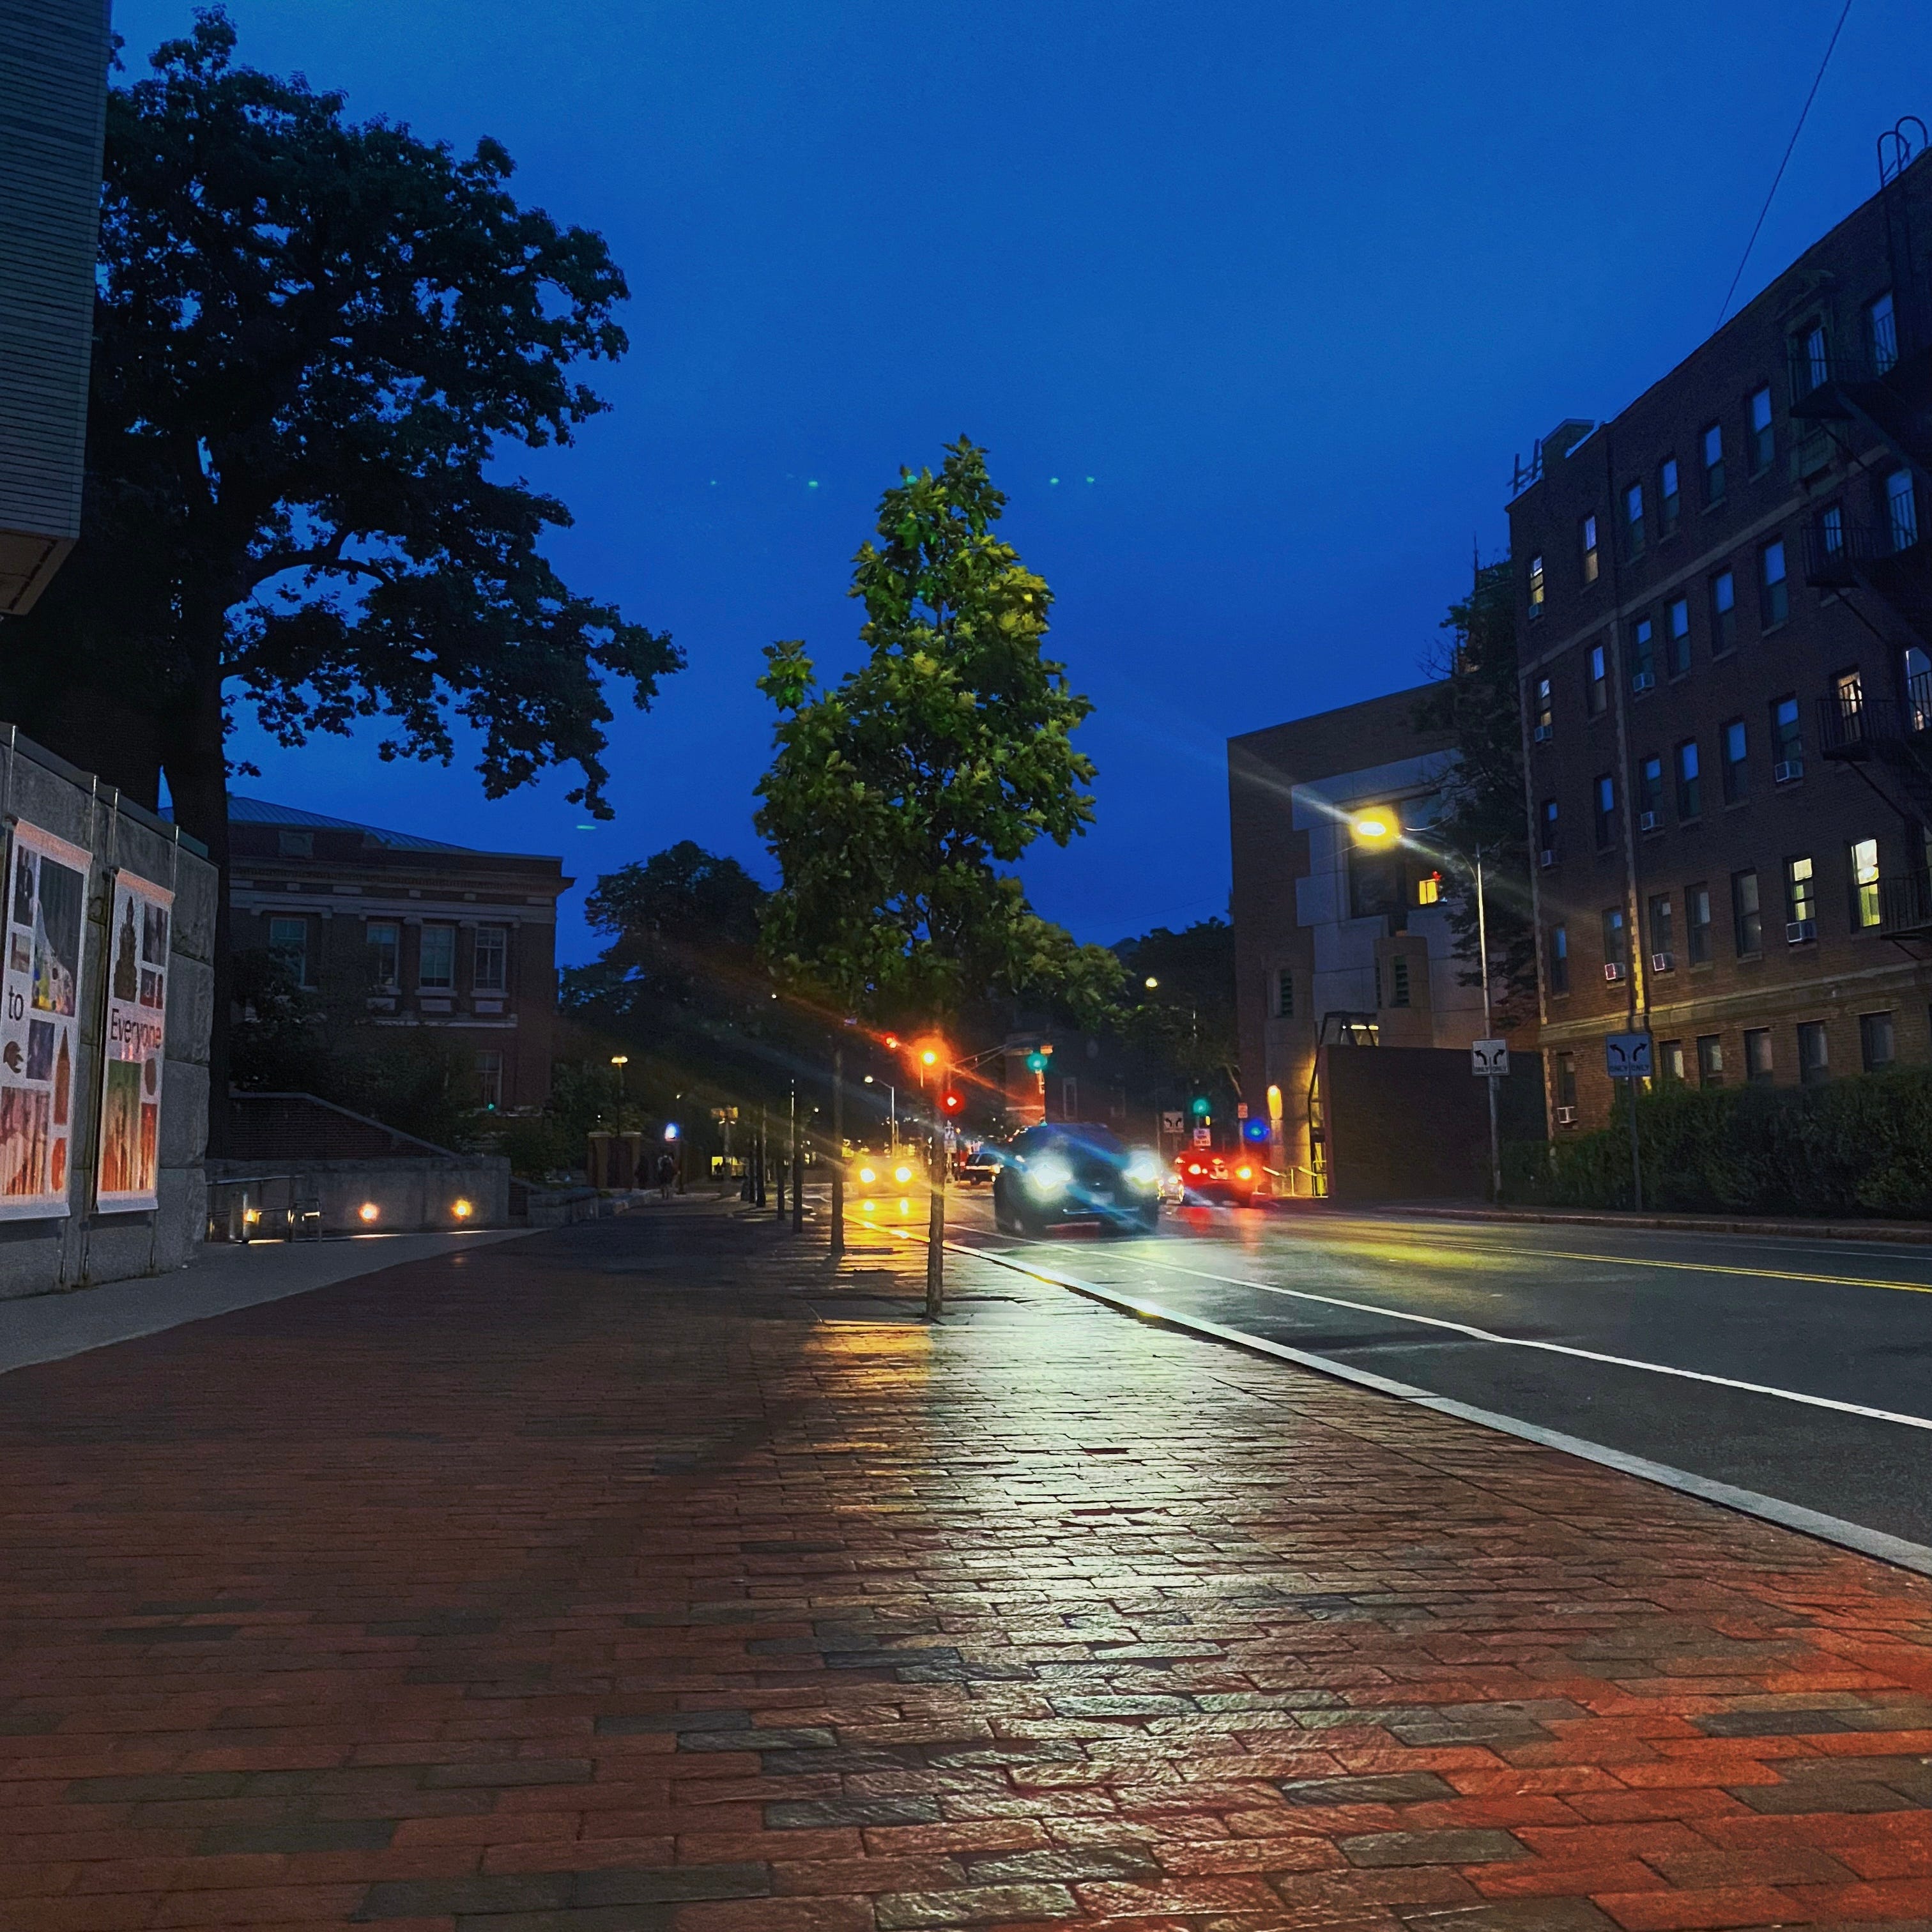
(1150, 982)
(620, 1061)
(892, 1107)
(1376, 828)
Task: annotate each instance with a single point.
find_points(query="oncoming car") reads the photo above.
(1206, 1175)
(876, 1174)
(1062, 1172)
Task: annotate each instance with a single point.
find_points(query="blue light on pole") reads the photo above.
(1254, 1130)
(670, 1132)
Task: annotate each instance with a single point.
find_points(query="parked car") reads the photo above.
(1065, 1171)
(981, 1168)
(1206, 1175)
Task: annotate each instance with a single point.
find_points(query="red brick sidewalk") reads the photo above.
(637, 1578)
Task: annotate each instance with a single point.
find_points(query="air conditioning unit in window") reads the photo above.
(1548, 855)
(1663, 962)
(1566, 1117)
(1643, 680)
(1797, 931)
(1543, 734)
(1789, 771)
(1650, 821)
(1613, 969)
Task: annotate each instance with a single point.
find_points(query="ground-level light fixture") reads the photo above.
(368, 1211)
(462, 1209)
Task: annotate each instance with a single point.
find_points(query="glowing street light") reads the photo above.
(1150, 982)
(1373, 828)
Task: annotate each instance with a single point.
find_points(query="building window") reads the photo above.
(1399, 980)
(1589, 550)
(1831, 530)
(492, 973)
(295, 845)
(1633, 518)
(490, 1079)
(1901, 510)
(1723, 612)
(1667, 498)
(1650, 795)
(1616, 952)
(1787, 741)
(1566, 1083)
(1375, 882)
(1550, 847)
(1697, 923)
(1813, 360)
(1814, 1054)
(1801, 901)
(1737, 776)
(1597, 696)
(1663, 934)
(436, 972)
(1757, 1056)
(1710, 1060)
(1773, 593)
(1764, 437)
(1536, 586)
(1918, 669)
(1670, 1061)
(1877, 1046)
(1714, 464)
(1545, 710)
(1882, 332)
(1559, 959)
(1284, 994)
(1677, 633)
(1865, 884)
(1746, 921)
(288, 946)
(1643, 660)
(1606, 812)
(1690, 781)
(385, 955)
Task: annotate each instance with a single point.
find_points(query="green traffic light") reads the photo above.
(1035, 1062)
(1200, 1104)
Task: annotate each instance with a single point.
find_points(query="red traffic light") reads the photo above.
(951, 1102)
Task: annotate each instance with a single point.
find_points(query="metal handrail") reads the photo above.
(1849, 721)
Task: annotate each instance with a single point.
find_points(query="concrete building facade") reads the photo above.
(1338, 941)
(1724, 602)
(411, 931)
(53, 93)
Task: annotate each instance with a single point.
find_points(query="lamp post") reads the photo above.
(892, 1109)
(1381, 829)
(620, 1061)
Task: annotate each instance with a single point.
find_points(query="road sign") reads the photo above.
(1240, 1110)
(1204, 1136)
(1174, 1123)
(1628, 1055)
(1489, 1056)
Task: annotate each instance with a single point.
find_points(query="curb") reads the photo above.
(1903, 1232)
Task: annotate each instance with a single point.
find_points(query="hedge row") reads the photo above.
(1861, 1146)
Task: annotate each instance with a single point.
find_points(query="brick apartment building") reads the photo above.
(1725, 626)
(418, 933)
(1337, 943)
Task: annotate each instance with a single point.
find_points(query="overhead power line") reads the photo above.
(1724, 308)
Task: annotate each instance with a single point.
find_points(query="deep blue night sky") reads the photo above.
(1290, 284)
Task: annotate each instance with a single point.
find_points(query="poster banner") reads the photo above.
(39, 1043)
(131, 1053)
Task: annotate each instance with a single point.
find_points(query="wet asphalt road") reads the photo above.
(1836, 1321)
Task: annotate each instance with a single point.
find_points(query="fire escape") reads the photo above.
(1876, 396)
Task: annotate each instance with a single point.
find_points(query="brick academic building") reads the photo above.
(421, 933)
(1725, 627)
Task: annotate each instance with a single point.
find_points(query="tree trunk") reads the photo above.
(197, 764)
(935, 1230)
(838, 1151)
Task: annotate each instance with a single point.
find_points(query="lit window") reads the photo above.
(1650, 794)
(492, 959)
(1864, 883)
(1787, 741)
(1689, 781)
(1801, 903)
(1536, 586)
(1736, 753)
(1764, 437)
(436, 970)
(1545, 708)
(1670, 1059)
(1599, 692)
(1589, 550)
(1606, 811)
(1814, 357)
(1643, 666)
(1550, 847)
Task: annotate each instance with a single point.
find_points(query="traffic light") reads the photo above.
(951, 1102)
(1036, 1062)
(1198, 1106)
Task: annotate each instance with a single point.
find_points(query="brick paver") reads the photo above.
(640, 1577)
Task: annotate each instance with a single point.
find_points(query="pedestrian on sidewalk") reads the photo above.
(667, 1175)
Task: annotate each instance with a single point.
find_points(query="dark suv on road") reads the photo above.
(1065, 1171)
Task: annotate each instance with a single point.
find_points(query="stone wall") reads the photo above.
(86, 1246)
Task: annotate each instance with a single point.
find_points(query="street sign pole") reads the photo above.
(1628, 1058)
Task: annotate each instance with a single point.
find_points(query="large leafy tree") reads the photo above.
(898, 796)
(1185, 1021)
(313, 338)
(1475, 699)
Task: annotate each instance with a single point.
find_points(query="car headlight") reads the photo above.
(1049, 1175)
(1143, 1168)
(902, 1174)
(866, 1174)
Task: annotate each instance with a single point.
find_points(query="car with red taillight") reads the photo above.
(1205, 1173)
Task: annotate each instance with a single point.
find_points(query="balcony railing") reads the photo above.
(1817, 388)
(1851, 724)
(1838, 556)
(1905, 905)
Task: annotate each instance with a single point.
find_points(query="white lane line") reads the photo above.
(1521, 1342)
(1834, 1529)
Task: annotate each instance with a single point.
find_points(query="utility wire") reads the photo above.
(1725, 308)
